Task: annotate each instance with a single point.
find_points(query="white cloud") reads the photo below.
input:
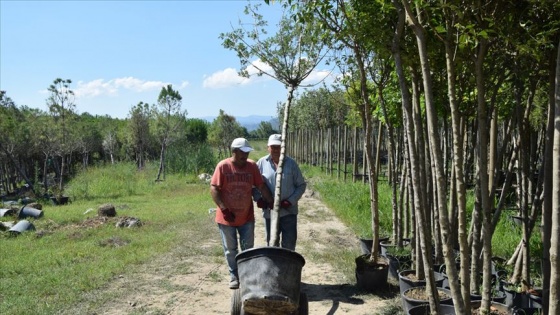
(183, 85)
(319, 77)
(229, 77)
(112, 87)
(138, 85)
(253, 69)
(225, 78)
(95, 88)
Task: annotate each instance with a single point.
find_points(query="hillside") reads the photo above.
(250, 122)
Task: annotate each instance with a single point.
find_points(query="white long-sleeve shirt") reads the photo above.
(293, 183)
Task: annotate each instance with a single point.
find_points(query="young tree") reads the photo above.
(110, 144)
(139, 131)
(169, 116)
(222, 131)
(318, 108)
(554, 297)
(62, 109)
(88, 140)
(264, 130)
(14, 138)
(292, 54)
(197, 130)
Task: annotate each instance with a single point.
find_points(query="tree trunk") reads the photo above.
(367, 121)
(554, 307)
(17, 167)
(460, 294)
(392, 178)
(485, 206)
(61, 178)
(549, 159)
(274, 213)
(161, 169)
(416, 169)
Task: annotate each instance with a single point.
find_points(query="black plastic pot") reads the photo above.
(409, 302)
(498, 306)
(425, 310)
(371, 277)
(394, 266)
(527, 311)
(406, 283)
(386, 244)
(367, 244)
(6, 212)
(498, 297)
(535, 300)
(21, 227)
(26, 212)
(519, 220)
(516, 299)
(60, 200)
(269, 280)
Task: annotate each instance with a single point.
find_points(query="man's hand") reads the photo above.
(285, 204)
(228, 215)
(262, 204)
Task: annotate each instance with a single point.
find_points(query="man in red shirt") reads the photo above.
(231, 188)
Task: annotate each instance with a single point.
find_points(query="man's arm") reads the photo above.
(296, 182)
(265, 192)
(215, 193)
(299, 183)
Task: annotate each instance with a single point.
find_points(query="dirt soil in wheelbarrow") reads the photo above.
(197, 282)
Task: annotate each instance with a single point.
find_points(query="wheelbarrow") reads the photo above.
(269, 283)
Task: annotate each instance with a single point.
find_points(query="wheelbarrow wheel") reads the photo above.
(303, 308)
(236, 303)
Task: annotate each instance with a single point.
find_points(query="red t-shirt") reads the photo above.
(235, 185)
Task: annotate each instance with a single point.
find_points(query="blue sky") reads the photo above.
(119, 53)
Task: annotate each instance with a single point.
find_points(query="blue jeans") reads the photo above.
(287, 228)
(229, 242)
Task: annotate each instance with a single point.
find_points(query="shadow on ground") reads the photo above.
(345, 293)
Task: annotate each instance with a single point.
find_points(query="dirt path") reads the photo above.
(198, 283)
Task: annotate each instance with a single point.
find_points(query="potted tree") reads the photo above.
(57, 195)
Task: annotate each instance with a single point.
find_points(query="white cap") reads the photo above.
(241, 144)
(275, 139)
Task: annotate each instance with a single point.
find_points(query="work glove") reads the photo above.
(228, 215)
(261, 203)
(285, 204)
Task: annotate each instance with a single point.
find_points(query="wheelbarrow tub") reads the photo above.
(237, 308)
(269, 280)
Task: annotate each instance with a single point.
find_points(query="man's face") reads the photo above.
(274, 151)
(240, 157)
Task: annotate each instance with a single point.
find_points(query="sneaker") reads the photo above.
(234, 283)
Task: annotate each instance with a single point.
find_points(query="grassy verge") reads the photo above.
(350, 202)
(47, 271)
(67, 259)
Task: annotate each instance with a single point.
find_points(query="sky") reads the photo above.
(120, 53)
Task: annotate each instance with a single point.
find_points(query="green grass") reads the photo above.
(260, 149)
(350, 202)
(41, 275)
(113, 181)
(48, 273)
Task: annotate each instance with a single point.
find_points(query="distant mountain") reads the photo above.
(251, 122)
